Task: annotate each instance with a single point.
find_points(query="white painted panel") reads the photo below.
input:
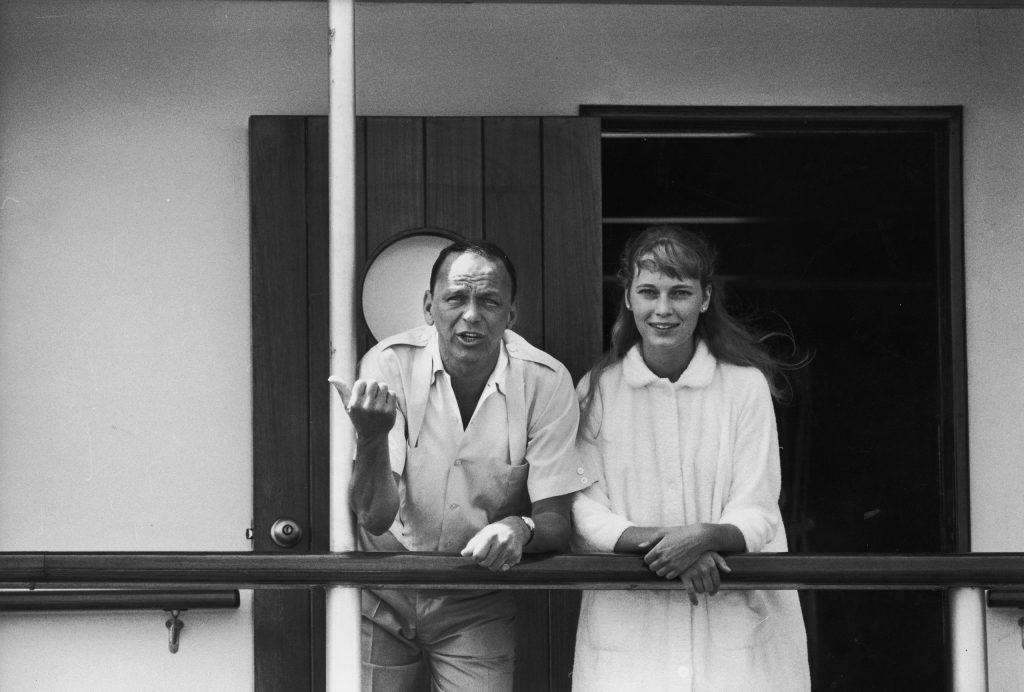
(125, 420)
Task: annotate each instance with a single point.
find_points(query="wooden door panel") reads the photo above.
(318, 394)
(280, 326)
(281, 641)
(453, 177)
(481, 177)
(512, 210)
(318, 332)
(395, 196)
(572, 241)
(288, 422)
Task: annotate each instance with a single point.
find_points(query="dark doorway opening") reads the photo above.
(846, 224)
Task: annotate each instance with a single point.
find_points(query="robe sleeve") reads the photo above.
(753, 501)
(596, 527)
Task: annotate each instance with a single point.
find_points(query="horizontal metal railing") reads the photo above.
(998, 598)
(435, 570)
(111, 599)
(965, 575)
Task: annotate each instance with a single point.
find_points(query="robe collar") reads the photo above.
(698, 373)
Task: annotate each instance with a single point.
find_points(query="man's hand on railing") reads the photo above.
(498, 546)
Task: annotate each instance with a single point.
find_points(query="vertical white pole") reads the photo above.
(343, 658)
(970, 660)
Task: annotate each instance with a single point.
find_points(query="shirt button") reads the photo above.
(579, 470)
(512, 348)
(458, 462)
(454, 505)
(583, 480)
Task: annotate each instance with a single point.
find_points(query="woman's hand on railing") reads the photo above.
(703, 576)
(679, 547)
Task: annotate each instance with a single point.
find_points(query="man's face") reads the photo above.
(471, 305)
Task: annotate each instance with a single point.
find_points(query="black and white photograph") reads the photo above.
(395, 346)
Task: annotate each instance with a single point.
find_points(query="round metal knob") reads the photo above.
(286, 532)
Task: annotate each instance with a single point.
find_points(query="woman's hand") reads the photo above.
(703, 577)
(679, 548)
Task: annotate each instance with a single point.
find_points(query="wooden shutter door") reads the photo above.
(532, 185)
(288, 188)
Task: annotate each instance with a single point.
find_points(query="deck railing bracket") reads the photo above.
(174, 628)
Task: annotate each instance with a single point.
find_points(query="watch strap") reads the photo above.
(530, 525)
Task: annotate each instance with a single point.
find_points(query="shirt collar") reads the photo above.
(698, 373)
(497, 377)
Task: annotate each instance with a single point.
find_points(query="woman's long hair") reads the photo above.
(684, 254)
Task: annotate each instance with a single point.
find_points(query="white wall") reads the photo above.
(125, 420)
(124, 349)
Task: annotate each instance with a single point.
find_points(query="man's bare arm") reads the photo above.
(500, 546)
(553, 518)
(373, 487)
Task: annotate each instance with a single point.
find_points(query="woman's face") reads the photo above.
(665, 309)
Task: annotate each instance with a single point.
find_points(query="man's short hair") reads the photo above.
(483, 248)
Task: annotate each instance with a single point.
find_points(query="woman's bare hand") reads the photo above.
(678, 549)
(703, 576)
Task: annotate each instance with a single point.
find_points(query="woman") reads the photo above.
(679, 432)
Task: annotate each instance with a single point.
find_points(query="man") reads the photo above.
(464, 442)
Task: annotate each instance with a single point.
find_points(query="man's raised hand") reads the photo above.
(370, 406)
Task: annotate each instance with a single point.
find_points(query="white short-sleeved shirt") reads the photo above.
(518, 448)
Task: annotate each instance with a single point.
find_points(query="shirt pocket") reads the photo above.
(516, 497)
(740, 619)
(496, 486)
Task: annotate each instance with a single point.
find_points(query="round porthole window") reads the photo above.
(396, 277)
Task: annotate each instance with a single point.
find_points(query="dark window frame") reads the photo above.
(946, 123)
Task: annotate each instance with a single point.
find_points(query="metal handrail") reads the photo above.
(434, 570)
(999, 598)
(110, 599)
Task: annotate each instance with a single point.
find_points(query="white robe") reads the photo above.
(701, 449)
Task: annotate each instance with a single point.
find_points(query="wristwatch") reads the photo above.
(530, 525)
